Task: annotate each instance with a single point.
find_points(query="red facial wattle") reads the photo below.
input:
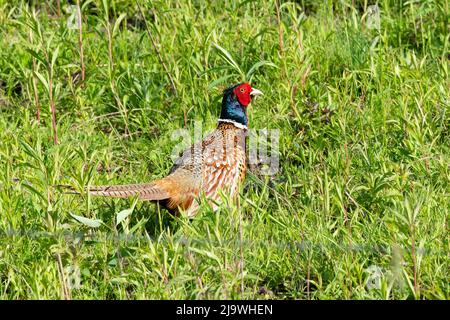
(242, 93)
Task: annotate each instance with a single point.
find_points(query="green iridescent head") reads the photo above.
(235, 101)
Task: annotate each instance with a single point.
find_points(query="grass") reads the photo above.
(358, 210)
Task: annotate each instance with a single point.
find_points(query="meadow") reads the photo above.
(359, 91)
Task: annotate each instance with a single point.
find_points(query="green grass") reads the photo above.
(364, 150)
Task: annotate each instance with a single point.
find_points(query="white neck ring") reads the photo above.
(235, 123)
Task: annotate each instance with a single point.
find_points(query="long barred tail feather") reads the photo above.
(146, 191)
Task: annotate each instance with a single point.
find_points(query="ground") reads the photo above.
(359, 91)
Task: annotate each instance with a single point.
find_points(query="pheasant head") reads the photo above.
(235, 101)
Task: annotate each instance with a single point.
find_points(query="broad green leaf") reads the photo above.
(34, 191)
(256, 66)
(30, 151)
(122, 215)
(36, 55)
(117, 23)
(106, 9)
(220, 80)
(54, 57)
(85, 4)
(229, 59)
(43, 80)
(93, 223)
(410, 284)
(208, 254)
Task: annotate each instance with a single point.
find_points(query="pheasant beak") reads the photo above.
(256, 92)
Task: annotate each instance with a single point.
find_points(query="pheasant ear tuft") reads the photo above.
(229, 89)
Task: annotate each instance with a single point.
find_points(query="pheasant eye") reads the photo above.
(242, 90)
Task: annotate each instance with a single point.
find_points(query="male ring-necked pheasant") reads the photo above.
(218, 162)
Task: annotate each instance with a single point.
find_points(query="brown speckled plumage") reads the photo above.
(209, 166)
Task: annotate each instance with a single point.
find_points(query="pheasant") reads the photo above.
(215, 164)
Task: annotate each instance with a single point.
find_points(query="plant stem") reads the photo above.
(155, 47)
(35, 91)
(58, 6)
(51, 98)
(280, 30)
(80, 41)
(414, 259)
(53, 108)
